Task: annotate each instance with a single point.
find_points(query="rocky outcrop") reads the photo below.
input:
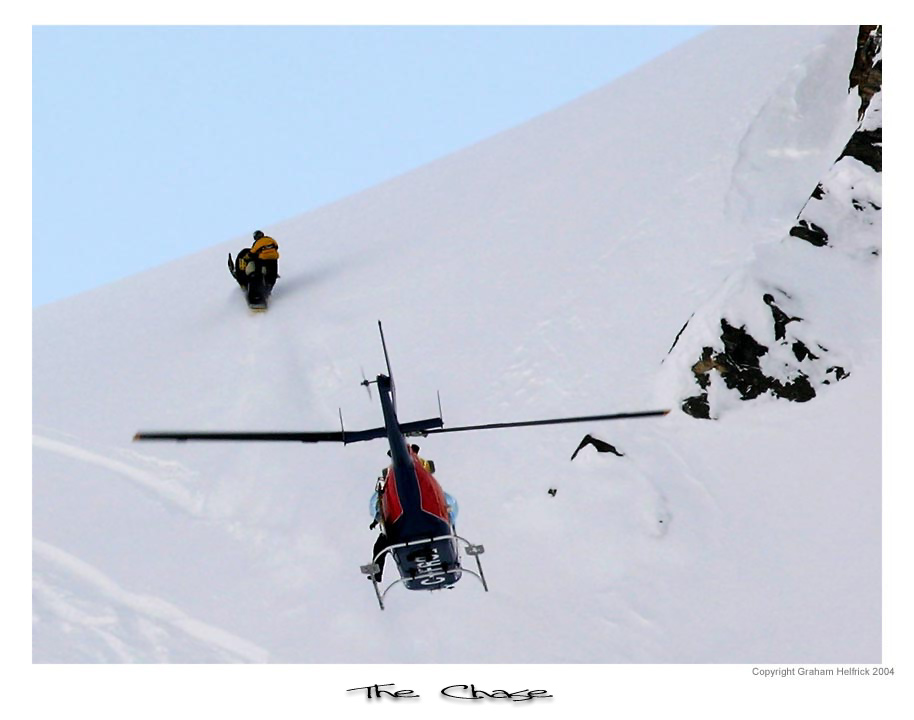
(866, 72)
(755, 353)
(852, 188)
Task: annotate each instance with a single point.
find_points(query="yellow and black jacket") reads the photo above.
(266, 248)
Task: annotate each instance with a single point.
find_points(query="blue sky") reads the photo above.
(150, 143)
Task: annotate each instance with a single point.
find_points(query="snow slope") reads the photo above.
(543, 272)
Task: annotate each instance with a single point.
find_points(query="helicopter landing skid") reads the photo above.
(373, 569)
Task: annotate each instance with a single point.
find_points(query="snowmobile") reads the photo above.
(418, 530)
(253, 279)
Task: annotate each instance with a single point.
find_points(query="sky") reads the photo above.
(150, 143)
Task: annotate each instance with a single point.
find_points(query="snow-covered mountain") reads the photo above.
(548, 271)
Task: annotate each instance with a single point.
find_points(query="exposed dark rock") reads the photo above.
(866, 72)
(742, 354)
(781, 319)
(798, 390)
(810, 232)
(706, 363)
(819, 192)
(741, 350)
(697, 406)
(866, 146)
(600, 445)
(801, 352)
(839, 372)
(738, 365)
(860, 207)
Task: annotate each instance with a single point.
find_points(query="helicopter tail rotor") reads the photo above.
(366, 383)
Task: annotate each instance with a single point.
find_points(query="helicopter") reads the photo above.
(416, 516)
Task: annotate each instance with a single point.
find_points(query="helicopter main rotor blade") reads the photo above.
(338, 436)
(305, 437)
(550, 421)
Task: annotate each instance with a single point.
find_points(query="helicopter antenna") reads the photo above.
(384, 345)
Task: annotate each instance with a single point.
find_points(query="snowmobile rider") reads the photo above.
(264, 253)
